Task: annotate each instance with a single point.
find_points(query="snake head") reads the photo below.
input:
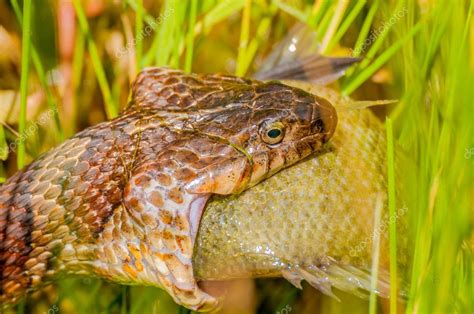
(273, 125)
(267, 125)
(289, 125)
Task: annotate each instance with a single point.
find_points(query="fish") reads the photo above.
(315, 220)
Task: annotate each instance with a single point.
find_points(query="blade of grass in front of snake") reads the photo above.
(375, 254)
(392, 213)
(25, 66)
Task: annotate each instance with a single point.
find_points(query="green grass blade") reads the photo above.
(77, 71)
(49, 95)
(366, 73)
(155, 56)
(334, 24)
(326, 20)
(244, 38)
(139, 34)
(179, 37)
(375, 255)
(346, 24)
(392, 213)
(146, 17)
(221, 11)
(42, 78)
(190, 37)
(164, 37)
(299, 15)
(380, 39)
(319, 12)
(110, 107)
(364, 31)
(25, 67)
(262, 30)
(3, 144)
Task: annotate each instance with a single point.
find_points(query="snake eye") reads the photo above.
(272, 133)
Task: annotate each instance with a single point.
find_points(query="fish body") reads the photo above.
(313, 221)
(123, 200)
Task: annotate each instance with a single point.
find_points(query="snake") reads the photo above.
(123, 200)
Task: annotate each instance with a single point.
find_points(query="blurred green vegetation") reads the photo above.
(84, 54)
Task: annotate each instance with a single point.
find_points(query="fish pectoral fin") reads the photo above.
(318, 279)
(343, 277)
(293, 277)
(356, 280)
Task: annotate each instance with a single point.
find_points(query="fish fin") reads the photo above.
(362, 104)
(296, 57)
(357, 280)
(293, 277)
(318, 279)
(343, 277)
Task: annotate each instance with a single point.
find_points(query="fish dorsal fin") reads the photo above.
(348, 104)
(296, 57)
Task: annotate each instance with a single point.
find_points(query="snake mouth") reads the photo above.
(195, 214)
(325, 120)
(314, 141)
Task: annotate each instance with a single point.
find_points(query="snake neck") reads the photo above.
(62, 199)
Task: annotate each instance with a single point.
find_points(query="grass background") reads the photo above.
(420, 52)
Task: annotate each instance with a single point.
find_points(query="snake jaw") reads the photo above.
(195, 214)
